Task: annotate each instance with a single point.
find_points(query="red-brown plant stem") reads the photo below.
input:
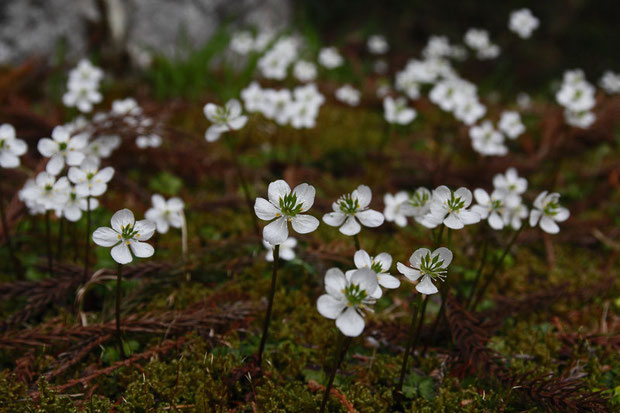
(87, 247)
(343, 347)
(9, 242)
(412, 329)
(117, 309)
(48, 242)
(272, 293)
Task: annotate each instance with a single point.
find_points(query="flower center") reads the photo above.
(551, 208)
(289, 205)
(455, 203)
(419, 199)
(349, 205)
(376, 267)
(128, 232)
(62, 146)
(355, 295)
(432, 266)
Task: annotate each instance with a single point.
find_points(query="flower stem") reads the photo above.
(60, 239)
(496, 267)
(9, 242)
(343, 347)
(412, 329)
(439, 237)
(48, 242)
(356, 240)
(117, 309)
(483, 261)
(440, 314)
(272, 293)
(87, 248)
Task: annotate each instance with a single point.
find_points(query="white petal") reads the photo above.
(469, 217)
(366, 279)
(548, 225)
(442, 193)
(408, 271)
(535, 215)
(238, 123)
(329, 307)
(370, 218)
(278, 189)
(465, 195)
(121, 219)
(334, 219)
(445, 255)
(495, 221)
(55, 164)
(388, 281)
(351, 226)
(121, 253)
(335, 281)
(264, 209)
(141, 249)
(362, 259)
(385, 260)
(305, 195)
(47, 147)
(481, 196)
(304, 224)
(106, 237)
(276, 232)
(451, 221)
(363, 195)
(426, 286)
(350, 323)
(561, 215)
(416, 258)
(8, 160)
(145, 229)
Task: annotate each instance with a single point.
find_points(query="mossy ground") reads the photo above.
(351, 146)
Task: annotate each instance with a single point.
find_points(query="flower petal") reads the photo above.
(385, 260)
(121, 253)
(329, 307)
(362, 259)
(445, 255)
(265, 210)
(351, 226)
(141, 249)
(276, 232)
(366, 279)
(304, 224)
(363, 195)
(335, 281)
(416, 258)
(426, 286)
(388, 281)
(334, 219)
(370, 218)
(548, 225)
(145, 228)
(408, 272)
(350, 323)
(105, 237)
(121, 219)
(278, 189)
(305, 195)
(452, 221)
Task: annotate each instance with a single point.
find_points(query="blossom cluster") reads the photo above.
(83, 87)
(576, 95)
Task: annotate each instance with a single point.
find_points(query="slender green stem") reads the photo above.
(420, 323)
(48, 242)
(9, 242)
(439, 236)
(117, 308)
(412, 329)
(483, 261)
(496, 267)
(272, 293)
(60, 239)
(356, 240)
(87, 247)
(343, 347)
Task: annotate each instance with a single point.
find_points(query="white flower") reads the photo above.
(347, 298)
(286, 206)
(377, 44)
(469, 110)
(478, 39)
(165, 214)
(75, 204)
(580, 119)
(418, 204)
(126, 237)
(253, 97)
(510, 123)
(82, 95)
(380, 265)
(11, 148)
(351, 208)
(396, 111)
(490, 207)
(349, 95)
(151, 140)
(304, 71)
(276, 61)
(547, 211)
(430, 266)
(45, 192)
(515, 214)
(242, 42)
(330, 58)
(523, 22)
(126, 107)
(85, 73)
(395, 209)
(89, 180)
(450, 208)
(223, 119)
(610, 82)
(286, 249)
(102, 147)
(486, 140)
(511, 185)
(62, 147)
(277, 105)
